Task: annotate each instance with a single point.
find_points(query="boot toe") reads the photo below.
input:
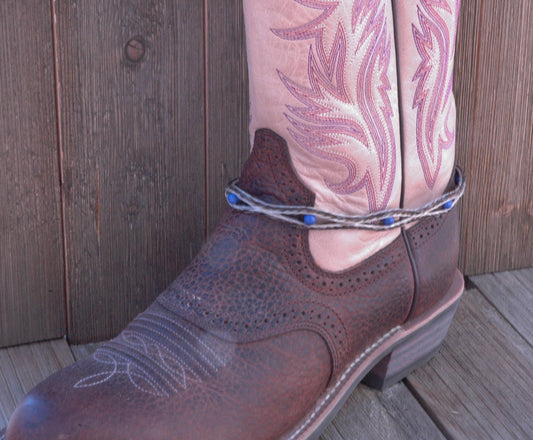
(52, 411)
(199, 386)
(37, 417)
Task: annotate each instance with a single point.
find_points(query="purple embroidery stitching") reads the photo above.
(433, 96)
(329, 115)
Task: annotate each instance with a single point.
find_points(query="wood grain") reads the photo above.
(480, 384)
(82, 351)
(512, 294)
(132, 143)
(228, 142)
(21, 368)
(465, 89)
(392, 414)
(31, 261)
(494, 88)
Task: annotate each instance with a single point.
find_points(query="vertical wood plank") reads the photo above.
(132, 142)
(31, 260)
(465, 83)
(495, 96)
(228, 143)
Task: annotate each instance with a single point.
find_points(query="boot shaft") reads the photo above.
(328, 77)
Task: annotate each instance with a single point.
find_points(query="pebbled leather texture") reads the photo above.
(254, 391)
(435, 251)
(248, 338)
(256, 277)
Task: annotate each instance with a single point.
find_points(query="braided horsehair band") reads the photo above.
(311, 218)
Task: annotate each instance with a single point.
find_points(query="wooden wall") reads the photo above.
(32, 288)
(121, 121)
(132, 146)
(494, 91)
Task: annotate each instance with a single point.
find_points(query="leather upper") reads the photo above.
(250, 335)
(256, 279)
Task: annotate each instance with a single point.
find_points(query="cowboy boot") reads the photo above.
(318, 276)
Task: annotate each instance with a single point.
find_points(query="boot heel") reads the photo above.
(415, 351)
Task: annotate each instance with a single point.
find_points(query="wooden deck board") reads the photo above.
(21, 368)
(480, 385)
(330, 433)
(392, 414)
(512, 294)
(82, 351)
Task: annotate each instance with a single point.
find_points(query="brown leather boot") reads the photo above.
(277, 320)
(253, 340)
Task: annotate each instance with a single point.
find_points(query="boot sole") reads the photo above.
(387, 361)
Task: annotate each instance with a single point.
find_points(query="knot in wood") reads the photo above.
(135, 49)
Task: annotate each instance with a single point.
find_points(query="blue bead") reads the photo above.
(457, 179)
(233, 199)
(309, 220)
(389, 221)
(448, 204)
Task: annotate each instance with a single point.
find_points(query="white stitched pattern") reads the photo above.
(157, 355)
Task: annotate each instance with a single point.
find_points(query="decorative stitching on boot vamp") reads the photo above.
(158, 355)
